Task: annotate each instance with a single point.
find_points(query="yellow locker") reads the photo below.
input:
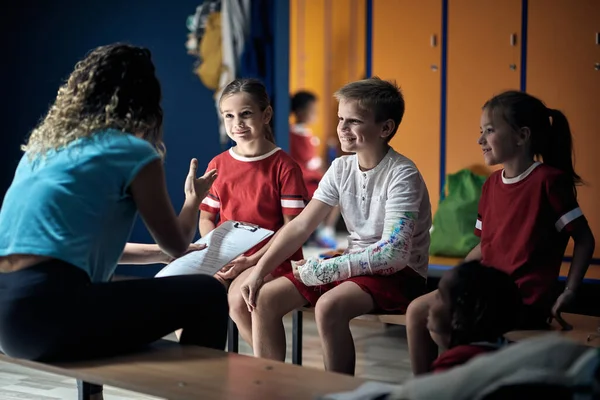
(407, 48)
(563, 70)
(484, 59)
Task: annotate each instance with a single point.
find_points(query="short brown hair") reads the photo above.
(383, 98)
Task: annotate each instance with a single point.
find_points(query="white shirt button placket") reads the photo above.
(364, 192)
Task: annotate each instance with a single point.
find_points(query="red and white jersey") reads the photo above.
(524, 224)
(258, 190)
(303, 148)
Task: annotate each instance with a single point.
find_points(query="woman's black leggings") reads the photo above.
(52, 312)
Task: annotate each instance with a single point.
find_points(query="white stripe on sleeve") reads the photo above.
(568, 218)
(285, 203)
(211, 203)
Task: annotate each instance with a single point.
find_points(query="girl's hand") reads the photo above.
(197, 188)
(250, 289)
(564, 300)
(295, 265)
(236, 267)
(166, 259)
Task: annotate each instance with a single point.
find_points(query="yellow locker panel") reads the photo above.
(563, 70)
(407, 48)
(484, 56)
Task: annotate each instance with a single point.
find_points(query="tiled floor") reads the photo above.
(381, 355)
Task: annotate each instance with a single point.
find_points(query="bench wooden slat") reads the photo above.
(438, 265)
(183, 373)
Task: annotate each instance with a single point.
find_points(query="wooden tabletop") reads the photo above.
(183, 373)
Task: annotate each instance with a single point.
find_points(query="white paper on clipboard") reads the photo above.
(223, 244)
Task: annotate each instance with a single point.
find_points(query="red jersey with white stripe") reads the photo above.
(258, 190)
(303, 149)
(524, 224)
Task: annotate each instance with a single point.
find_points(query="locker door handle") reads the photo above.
(433, 40)
(513, 39)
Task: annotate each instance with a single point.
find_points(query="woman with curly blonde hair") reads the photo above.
(92, 163)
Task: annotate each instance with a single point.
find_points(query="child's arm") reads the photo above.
(583, 252)
(242, 263)
(143, 254)
(206, 222)
(149, 191)
(570, 219)
(257, 256)
(292, 236)
(474, 254)
(386, 257)
(582, 256)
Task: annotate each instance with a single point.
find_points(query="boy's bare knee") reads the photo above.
(277, 298)
(328, 310)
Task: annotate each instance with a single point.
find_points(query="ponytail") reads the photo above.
(558, 149)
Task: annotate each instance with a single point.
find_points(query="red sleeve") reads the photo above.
(211, 202)
(292, 189)
(563, 202)
(456, 356)
(480, 209)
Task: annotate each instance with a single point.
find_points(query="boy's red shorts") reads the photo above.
(389, 292)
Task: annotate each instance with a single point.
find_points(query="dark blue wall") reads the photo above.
(42, 40)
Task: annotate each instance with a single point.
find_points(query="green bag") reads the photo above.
(454, 222)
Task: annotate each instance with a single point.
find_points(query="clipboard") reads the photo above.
(223, 244)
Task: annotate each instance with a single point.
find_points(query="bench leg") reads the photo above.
(85, 390)
(297, 337)
(233, 337)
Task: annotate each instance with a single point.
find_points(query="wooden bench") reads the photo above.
(175, 372)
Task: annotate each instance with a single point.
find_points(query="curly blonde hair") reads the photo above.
(114, 86)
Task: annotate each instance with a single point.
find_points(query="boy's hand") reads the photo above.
(197, 188)
(564, 300)
(236, 267)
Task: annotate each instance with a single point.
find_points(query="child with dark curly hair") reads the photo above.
(472, 310)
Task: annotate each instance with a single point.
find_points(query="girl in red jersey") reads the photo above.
(472, 309)
(527, 213)
(258, 183)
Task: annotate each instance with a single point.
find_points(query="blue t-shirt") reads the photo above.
(74, 203)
